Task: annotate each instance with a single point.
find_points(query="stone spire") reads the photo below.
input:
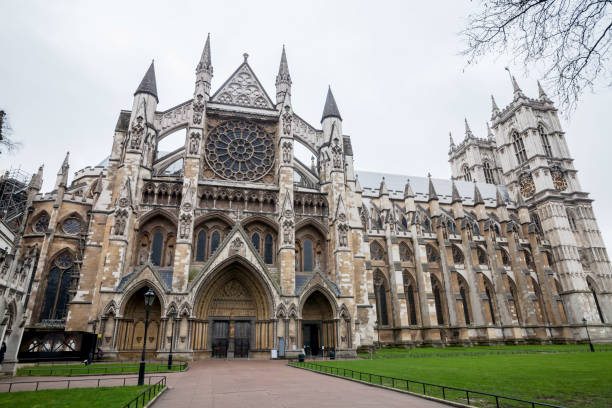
(408, 193)
(468, 131)
(37, 179)
(456, 197)
(542, 94)
(331, 109)
(204, 71)
(477, 196)
(494, 108)
(518, 93)
(490, 134)
(452, 142)
(283, 79)
(382, 190)
(432, 191)
(62, 174)
(499, 198)
(357, 184)
(148, 84)
(520, 202)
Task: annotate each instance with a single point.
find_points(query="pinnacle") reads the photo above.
(408, 193)
(148, 84)
(468, 131)
(205, 60)
(432, 191)
(452, 142)
(331, 109)
(520, 202)
(494, 107)
(456, 197)
(501, 202)
(383, 187)
(477, 196)
(542, 93)
(283, 68)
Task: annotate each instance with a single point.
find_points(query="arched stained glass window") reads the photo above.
(57, 292)
(467, 175)
(381, 299)
(412, 305)
(437, 300)
(156, 248)
(545, 141)
(482, 256)
(457, 255)
(269, 250)
(201, 246)
(255, 240)
(519, 148)
(490, 302)
(215, 240)
(466, 311)
(307, 255)
(488, 172)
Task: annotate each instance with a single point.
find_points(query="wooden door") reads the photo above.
(242, 334)
(220, 336)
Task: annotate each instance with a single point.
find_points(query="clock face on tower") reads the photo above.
(559, 181)
(527, 185)
(239, 150)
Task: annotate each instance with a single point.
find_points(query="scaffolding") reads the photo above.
(13, 196)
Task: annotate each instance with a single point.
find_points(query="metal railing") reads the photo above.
(100, 369)
(92, 383)
(443, 391)
(144, 397)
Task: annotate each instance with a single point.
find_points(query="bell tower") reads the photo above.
(536, 163)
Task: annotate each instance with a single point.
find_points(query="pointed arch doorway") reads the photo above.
(319, 327)
(233, 315)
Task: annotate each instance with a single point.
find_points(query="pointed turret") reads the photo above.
(468, 131)
(432, 191)
(523, 210)
(518, 93)
(37, 179)
(477, 196)
(490, 134)
(98, 188)
(499, 198)
(456, 197)
(382, 190)
(452, 142)
(283, 79)
(408, 193)
(62, 174)
(542, 94)
(494, 107)
(357, 184)
(148, 84)
(204, 70)
(331, 109)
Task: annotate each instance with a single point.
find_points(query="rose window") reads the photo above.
(239, 150)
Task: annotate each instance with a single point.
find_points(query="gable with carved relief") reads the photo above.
(243, 89)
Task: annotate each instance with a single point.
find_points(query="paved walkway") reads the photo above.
(271, 384)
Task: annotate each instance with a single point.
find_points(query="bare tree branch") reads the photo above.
(7, 144)
(572, 39)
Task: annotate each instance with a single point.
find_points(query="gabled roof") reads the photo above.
(243, 89)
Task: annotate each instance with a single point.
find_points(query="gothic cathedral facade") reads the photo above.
(249, 251)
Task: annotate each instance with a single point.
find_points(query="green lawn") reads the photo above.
(96, 368)
(103, 397)
(570, 379)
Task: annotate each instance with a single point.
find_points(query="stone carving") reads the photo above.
(185, 226)
(337, 154)
(287, 148)
(288, 232)
(343, 235)
(243, 89)
(194, 143)
(136, 133)
(121, 217)
(236, 244)
(287, 119)
(559, 181)
(527, 185)
(198, 109)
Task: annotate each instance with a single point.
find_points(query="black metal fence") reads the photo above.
(469, 397)
(144, 397)
(102, 368)
(66, 384)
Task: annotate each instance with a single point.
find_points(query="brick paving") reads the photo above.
(271, 384)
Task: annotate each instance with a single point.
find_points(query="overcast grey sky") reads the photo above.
(68, 67)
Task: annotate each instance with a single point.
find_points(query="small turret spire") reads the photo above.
(520, 202)
(148, 84)
(331, 109)
(452, 142)
(65, 164)
(477, 196)
(542, 94)
(408, 193)
(468, 131)
(357, 184)
(432, 191)
(283, 79)
(456, 197)
(205, 60)
(36, 180)
(499, 198)
(494, 108)
(382, 190)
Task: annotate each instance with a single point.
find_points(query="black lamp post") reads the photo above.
(378, 330)
(584, 321)
(149, 297)
(172, 316)
(94, 343)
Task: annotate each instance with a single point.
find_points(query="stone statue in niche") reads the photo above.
(337, 154)
(136, 133)
(142, 258)
(343, 235)
(120, 222)
(288, 232)
(198, 109)
(287, 118)
(194, 143)
(185, 226)
(287, 152)
(169, 255)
